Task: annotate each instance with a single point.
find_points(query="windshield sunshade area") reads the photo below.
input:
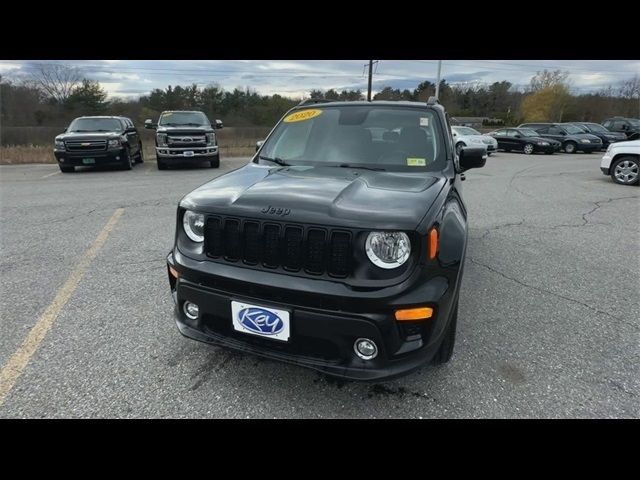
(95, 125)
(376, 137)
(183, 118)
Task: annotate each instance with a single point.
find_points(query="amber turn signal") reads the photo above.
(422, 313)
(433, 243)
(173, 272)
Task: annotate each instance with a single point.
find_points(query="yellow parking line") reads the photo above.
(19, 360)
(51, 174)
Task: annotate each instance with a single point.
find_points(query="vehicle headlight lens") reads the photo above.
(211, 137)
(60, 144)
(115, 142)
(162, 139)
(585, 140)
(193, 224)
(388, 249)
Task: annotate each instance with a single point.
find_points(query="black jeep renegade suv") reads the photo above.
(339, 247)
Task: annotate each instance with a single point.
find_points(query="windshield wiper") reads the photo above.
(276, 160)
(348, 165)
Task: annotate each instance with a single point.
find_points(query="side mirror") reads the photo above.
(259, 144)
(472, 157)
(218, 125)
(148, 123)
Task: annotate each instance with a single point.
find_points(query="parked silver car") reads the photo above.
(468, 137)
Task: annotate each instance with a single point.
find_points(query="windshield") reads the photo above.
(528, 132)
(572, 129)
(376, 137)
(594, 127)
(95, 125)
(195, 119)
(466, 131)
(634, 122)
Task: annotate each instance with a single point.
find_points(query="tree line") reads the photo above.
(55, 94)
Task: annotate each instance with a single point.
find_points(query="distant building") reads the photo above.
(475, 121)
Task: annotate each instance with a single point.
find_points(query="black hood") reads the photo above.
(88, 135)
(321, 195)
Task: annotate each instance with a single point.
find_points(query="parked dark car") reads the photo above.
(573, 138)
(185, 135)
(629, 126)
(339, 247)
(524, 140)
(90, 141)
(602, 133)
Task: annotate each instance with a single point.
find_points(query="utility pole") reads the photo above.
(438, 80)
(371, 62)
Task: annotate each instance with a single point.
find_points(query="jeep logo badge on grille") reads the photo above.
(276, 211)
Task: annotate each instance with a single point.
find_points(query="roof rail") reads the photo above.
(433, 101)
(309, 101)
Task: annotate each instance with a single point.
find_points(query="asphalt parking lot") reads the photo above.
(549, 320)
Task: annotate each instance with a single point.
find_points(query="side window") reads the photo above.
(619, 124)
(500, 133)
(543, 130)
(554, 131)
(607, 124)
(511, 133)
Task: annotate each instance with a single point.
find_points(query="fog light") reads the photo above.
(366, 349)
(191, 310)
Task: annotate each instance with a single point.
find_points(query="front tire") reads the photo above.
(528, 149)
(140, 158)
(215, 163)
(570, 147)
(625, 171)
(161, 165)
(67, 168)
(445, 352)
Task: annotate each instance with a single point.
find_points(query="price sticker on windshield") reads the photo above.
(416, 162)
(302, 115)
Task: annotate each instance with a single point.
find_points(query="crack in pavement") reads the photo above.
(585, 221)
(498, 227)
(549, 292)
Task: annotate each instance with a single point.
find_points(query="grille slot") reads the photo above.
(293, 248)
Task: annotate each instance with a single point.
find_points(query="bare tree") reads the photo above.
(56, 81)
(546, 79)
(630, 88)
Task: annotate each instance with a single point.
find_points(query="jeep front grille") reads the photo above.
(272, 245)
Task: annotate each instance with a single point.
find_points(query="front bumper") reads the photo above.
(89, 158)
(186, 153)
(605, 164)
(326, 317)
(589, 147)
(546, 148)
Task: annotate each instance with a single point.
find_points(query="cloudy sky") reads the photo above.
(132, 78)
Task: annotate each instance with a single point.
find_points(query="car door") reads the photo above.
(556, 133)
(511, 140)
(132, 136)
(501, 138)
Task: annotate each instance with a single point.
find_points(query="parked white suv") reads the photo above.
(468, 137)
(622, 162)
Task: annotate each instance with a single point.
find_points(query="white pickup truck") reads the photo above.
(622, 162)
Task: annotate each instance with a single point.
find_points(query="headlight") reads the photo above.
(388, 249)
(543, 143)
(211, 137)
(585, 140)
(193, 224)
(114, 143)
(60, 144)
(162, 139)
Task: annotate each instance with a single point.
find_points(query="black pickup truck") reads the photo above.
(339, 247)
(183, 135)
(90, 141)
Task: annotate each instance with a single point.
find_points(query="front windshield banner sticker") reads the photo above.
(302, 115)
(416, 162)
(424, 121)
